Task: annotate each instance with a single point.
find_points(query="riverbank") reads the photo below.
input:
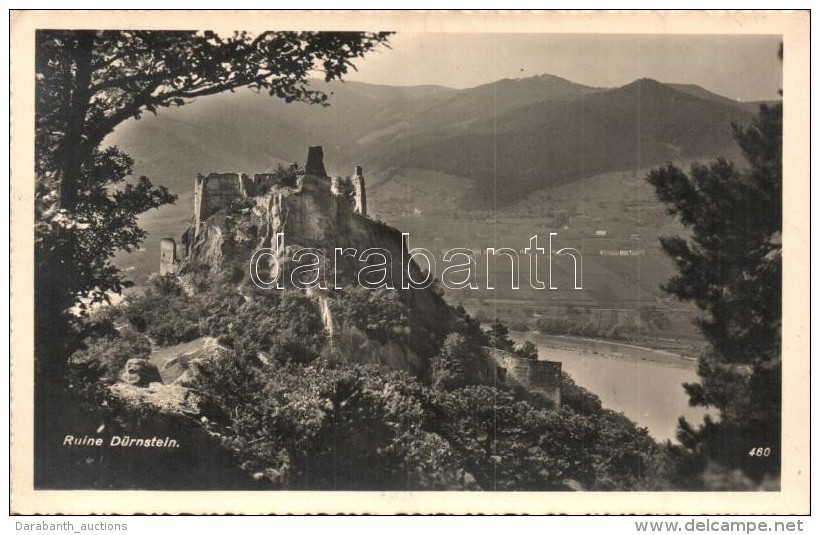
(605, 348)
(644, 384)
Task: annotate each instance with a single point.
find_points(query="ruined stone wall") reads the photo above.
(247, 185)
(536, 376)
(314, 211)
(359, 193)
(352, 190)
(215, 192)
(168, 263)
(264, 181)
(336, 185)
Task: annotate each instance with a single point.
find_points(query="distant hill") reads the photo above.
(547, 143)
(698, 91)
(466, 107)
(509, 137)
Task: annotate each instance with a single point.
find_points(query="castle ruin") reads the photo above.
(216, 191)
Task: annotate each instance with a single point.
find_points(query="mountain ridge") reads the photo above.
(546, 143)
(375, 124)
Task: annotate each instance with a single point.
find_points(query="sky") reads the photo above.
(742, 67)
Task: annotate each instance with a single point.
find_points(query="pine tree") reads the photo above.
(730, 267)
(499, 336)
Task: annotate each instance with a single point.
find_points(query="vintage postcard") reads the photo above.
(419, 262)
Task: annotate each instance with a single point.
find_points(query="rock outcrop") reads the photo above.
(183, 364)
(171, 400)
(140, 373)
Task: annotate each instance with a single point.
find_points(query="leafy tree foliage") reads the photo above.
(460, 362)
(166, 318)
(328, 428)
(320, 423)
(653, 318)
(528, 350)
(105, 357)
(730, 267)
(354, 427)
(381, 314)
(285, 326)
(499, 336)
(583, 328)
(507, 444)
(87, 83)
(287, 175)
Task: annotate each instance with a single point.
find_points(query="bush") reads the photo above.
(317, 427)
(287, 176)
(461, 362)
(499, 336)
(165, 313)
(558, 326)
(520, 326)
(285, 324)
(355, 427)
(381, 314)
(104, 358)
(304, 421)
(528, 350)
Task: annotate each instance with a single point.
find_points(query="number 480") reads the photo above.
(760, 452)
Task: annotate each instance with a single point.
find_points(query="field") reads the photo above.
(622, 205)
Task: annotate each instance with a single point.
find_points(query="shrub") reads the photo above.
(104, 358)
(528, 350)
(461, 362)
(520, 326)
(499, 336)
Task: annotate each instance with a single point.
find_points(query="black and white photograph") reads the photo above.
(401, 258)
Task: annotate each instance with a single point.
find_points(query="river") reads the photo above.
(644, 384)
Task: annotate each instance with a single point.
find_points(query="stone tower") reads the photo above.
(360, 195)
(315, 165)
(167, 257)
